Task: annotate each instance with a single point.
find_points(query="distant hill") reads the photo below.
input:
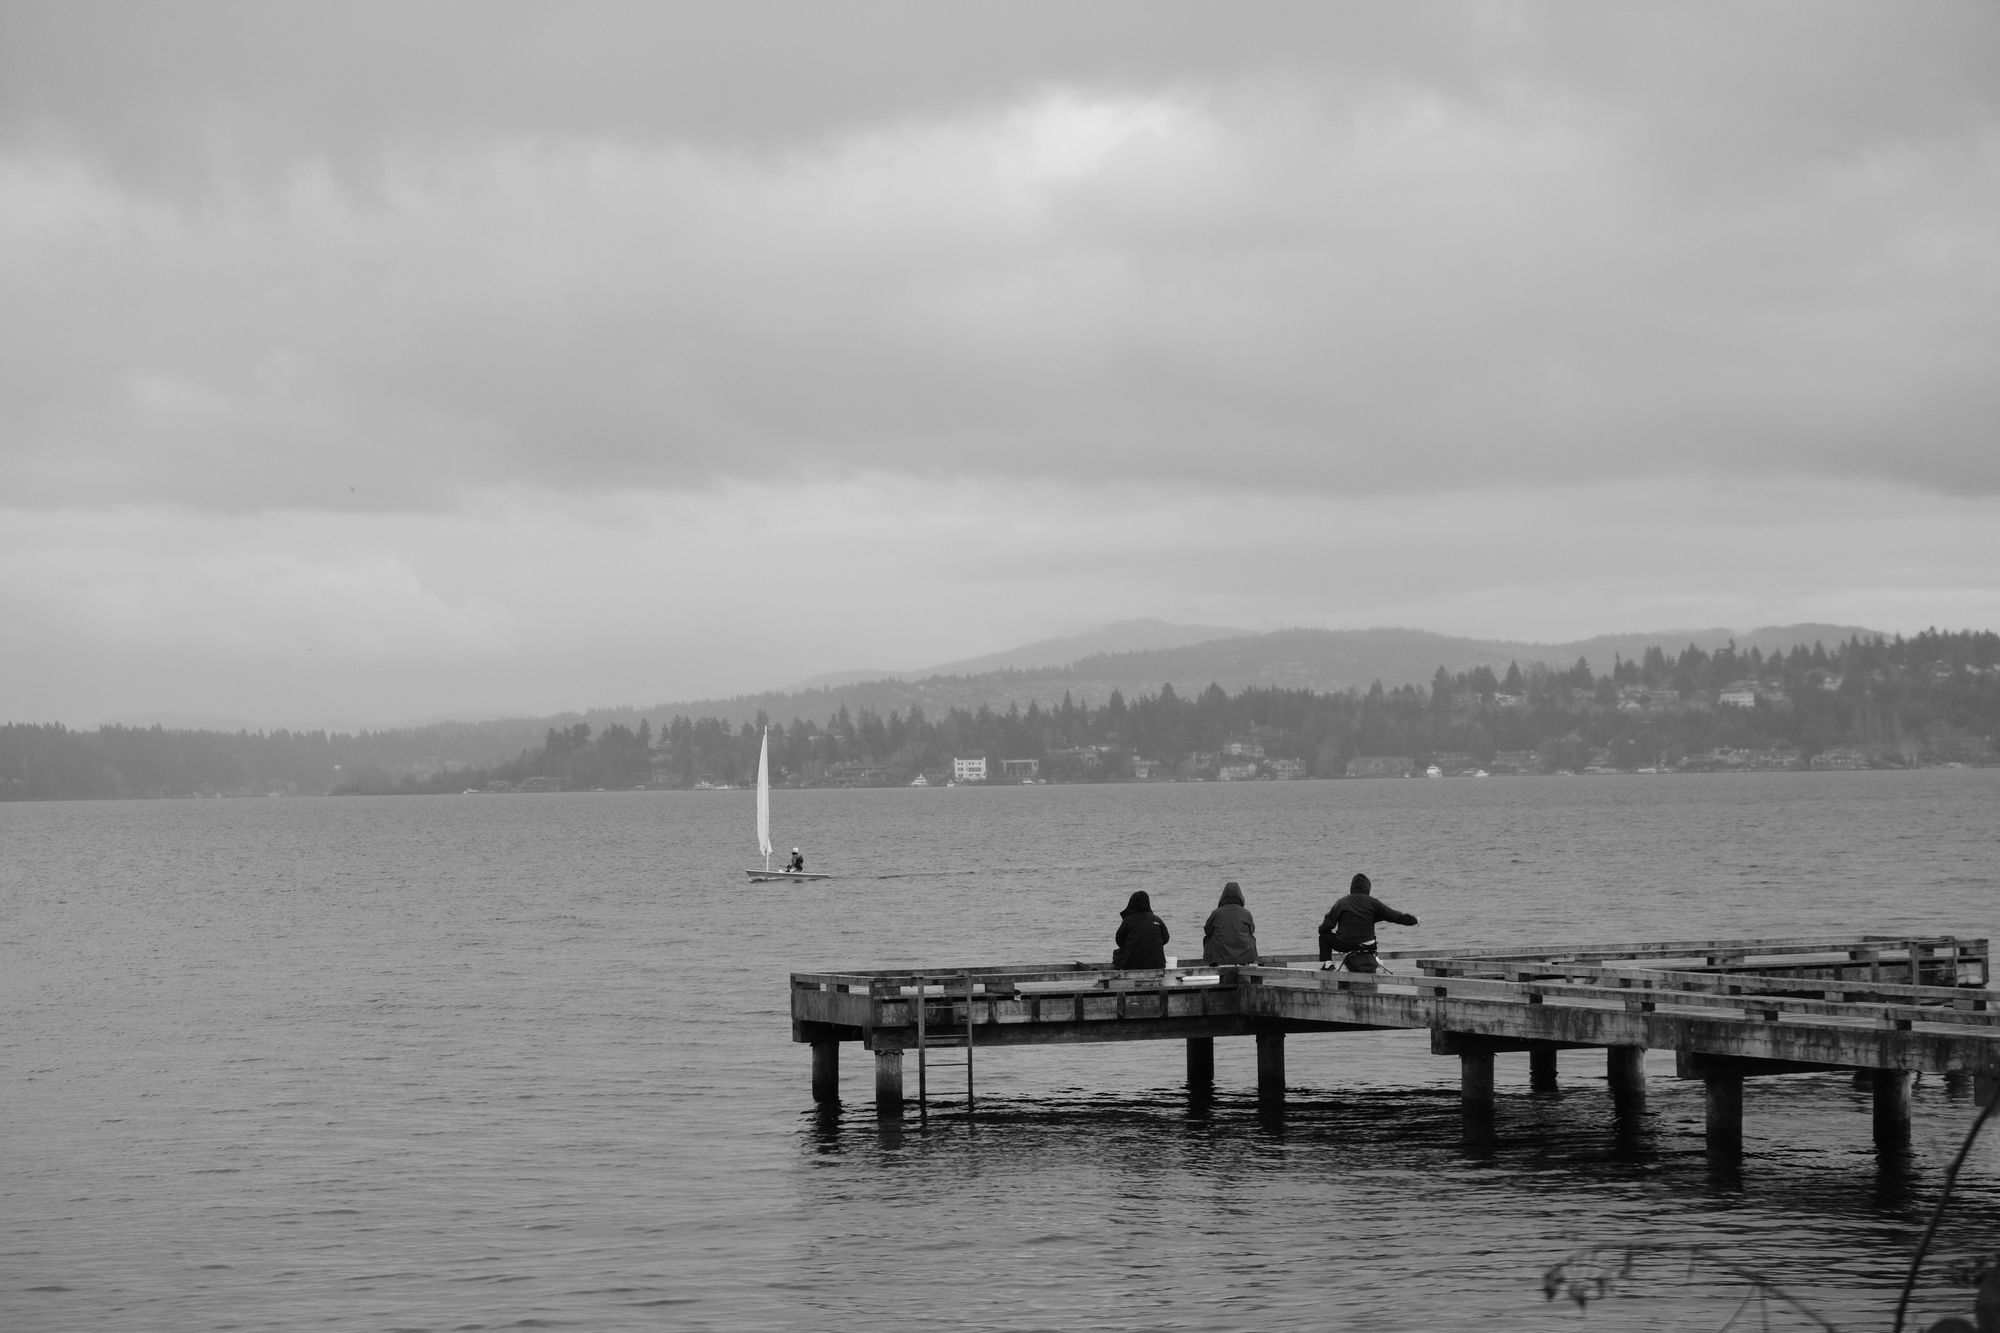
(1326, 661)
(1124, 636)
(1317, 659)
(1867, 701)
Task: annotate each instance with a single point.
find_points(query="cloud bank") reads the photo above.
(434, 330)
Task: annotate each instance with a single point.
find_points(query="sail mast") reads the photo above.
(764, 798)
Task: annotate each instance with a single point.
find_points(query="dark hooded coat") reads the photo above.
(1230, 935)
(1142, 937)
(1350, 923)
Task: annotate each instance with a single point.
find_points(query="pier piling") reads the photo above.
(826, 1071)
(888, 1083)
(1271, 1071)
(1475, 1081)
(1542, 1069)
(1892, 1110)
(1625, 1070)
(1201, 1064)
(1725, 1114)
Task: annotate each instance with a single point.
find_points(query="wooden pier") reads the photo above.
(1887, 1008)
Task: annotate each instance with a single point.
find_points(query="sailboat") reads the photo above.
(764, 822)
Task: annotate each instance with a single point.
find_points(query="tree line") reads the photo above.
(1933, 697)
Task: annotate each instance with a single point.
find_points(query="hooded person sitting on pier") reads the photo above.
(1230, 935)
(1349, 926)
(1142, 937)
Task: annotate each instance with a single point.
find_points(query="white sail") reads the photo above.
(764, 799)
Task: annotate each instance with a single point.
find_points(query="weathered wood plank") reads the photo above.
(1645, 999)
(1074, 1033)
(1777, 947)
(1731, 983)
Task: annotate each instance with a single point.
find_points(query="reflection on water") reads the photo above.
(1375, 1197)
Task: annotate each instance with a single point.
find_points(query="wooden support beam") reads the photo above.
(1271, 1071)
(1725, 1114)
(826, 1071)
(889, 1084)
(1892, 1110)
(1542, 1068)
(1697, 1064)
(1201, 1064)
(1447, 1042)
(1625, 1071)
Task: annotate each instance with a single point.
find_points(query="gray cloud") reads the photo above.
(1715, 85)
(538, 601)
(1243, 283)
(368, 305)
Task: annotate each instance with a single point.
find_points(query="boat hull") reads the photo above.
(769, 876)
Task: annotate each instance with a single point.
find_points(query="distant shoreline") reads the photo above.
(904, 786)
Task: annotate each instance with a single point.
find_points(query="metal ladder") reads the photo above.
(925, 1041)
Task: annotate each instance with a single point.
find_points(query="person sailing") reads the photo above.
(796, 865)
(1348, 928)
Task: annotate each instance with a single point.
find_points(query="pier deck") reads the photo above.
(1886, 1007)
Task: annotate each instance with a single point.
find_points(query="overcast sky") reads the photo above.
(368, 362)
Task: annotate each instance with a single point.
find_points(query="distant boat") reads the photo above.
(1433, 772)
(767, 875)
(920, 781)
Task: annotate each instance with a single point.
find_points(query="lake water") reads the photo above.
(507, 1062)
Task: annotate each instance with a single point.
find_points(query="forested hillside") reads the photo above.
(1934, 698)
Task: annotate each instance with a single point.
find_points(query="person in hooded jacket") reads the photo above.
(1141, 940)
(1349, 925)
(1230, 935)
